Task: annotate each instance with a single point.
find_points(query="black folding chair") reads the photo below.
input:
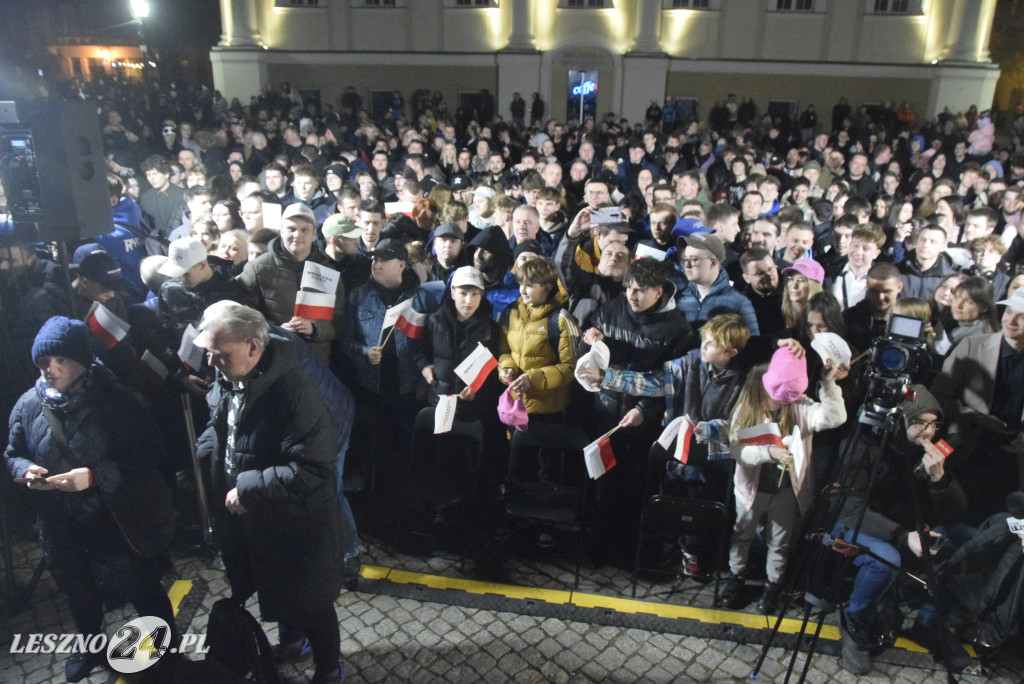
(549, 502)
(471, 431)
(664, 514)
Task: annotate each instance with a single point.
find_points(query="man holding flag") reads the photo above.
(388, 320)
(293, 286)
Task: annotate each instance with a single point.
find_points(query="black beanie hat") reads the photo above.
(62, 336)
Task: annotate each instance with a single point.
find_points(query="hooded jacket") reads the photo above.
(639, 341)
(525, 349)
(721, 299)
(274, 280)
(499, 293)
(447, 344)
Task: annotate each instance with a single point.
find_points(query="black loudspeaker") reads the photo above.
(72, 172)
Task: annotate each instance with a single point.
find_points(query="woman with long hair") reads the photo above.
(803, 280)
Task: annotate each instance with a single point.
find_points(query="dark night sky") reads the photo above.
(177, 29)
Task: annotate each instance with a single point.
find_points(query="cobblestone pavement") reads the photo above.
(397, 631)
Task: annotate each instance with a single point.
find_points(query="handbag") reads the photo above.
(142, 511)
(512, 411)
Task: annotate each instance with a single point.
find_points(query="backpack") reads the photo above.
(237, 642)
(554, 333)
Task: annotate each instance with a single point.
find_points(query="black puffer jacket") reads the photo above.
(448, 342)
(640, 342)
(107, 429)
(274, 279)
(286, 546)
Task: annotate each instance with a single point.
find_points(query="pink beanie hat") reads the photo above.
(786, 379)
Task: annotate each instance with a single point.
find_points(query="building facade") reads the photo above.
(616, 55)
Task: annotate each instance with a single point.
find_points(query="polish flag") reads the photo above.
(599, 457)
(766, 434)
(477, 366)
(684, 440)
(314, 305)
(412, 323)
(154, 370)
(406, 319)
(105, 325)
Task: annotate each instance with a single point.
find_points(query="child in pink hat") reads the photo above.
(774, 394)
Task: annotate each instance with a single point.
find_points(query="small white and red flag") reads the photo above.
(598, 456)
(684, 440)
(191, 353)
(314, 305)
(765, 434)
(154, 369)
(106, 326)
(477, 366)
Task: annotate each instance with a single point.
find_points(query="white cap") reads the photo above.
(298, 210)
(484, 191)
(831, 346)
(467, 276)
(1015, 301)
(182, 255)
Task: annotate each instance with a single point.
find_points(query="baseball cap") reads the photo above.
(339, 225)
(1015, 301)
(388, 249)
(461, 181)
(808, 267)
(449, 229)
(708, 242)
(85, 250)
(467, 276)
(485, 191)
(182, 255)
(300, 211)
(103, 269)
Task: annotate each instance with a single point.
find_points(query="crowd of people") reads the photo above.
(329, 264)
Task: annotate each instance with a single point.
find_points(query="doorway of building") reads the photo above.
(582, 102)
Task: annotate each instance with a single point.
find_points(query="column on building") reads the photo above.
(239, 61)
(648, 39)
(521, 37)
(969, 30)
(238, 20)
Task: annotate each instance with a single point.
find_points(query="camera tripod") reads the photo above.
(826, 554)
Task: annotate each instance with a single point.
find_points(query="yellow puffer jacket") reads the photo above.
(525, 348)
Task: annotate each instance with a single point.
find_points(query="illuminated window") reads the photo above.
(794, 5)
(892, 7)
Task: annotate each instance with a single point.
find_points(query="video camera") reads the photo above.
(895, 359)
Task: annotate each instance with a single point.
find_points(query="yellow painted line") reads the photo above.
(374, 572)
(667, 610)
(475, 587)
(178, 591)
(620, 605)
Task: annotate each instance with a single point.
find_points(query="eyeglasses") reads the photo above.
(693, 261)
(925, 424)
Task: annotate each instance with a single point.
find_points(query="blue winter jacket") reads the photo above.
(722, 298)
